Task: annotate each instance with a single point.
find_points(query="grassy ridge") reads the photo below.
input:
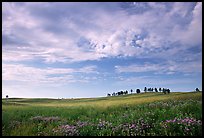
(134, 114)
(104, 101)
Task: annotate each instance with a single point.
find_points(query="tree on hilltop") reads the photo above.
(197, 90)
(145, 89)
(131, 91)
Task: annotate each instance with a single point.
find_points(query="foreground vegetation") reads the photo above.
(144, 114)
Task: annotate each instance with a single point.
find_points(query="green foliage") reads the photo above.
(145, 114)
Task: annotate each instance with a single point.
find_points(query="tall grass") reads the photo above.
(137, 114)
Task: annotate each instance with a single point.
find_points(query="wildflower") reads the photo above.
(67, 130)
(185, 121)
(82, 124)
(132, 126)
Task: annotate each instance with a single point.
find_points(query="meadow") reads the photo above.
(144, 114)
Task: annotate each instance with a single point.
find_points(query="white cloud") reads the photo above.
(137, 68)
(191, 34)
(23, 73)
(110, 30)
(180, 9)
(169, 67)
(151, 81)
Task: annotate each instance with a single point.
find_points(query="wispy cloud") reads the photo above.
(58, 32)
(169, 67)
(150, 81)
(22, 73)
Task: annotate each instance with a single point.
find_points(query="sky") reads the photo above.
(89, 49)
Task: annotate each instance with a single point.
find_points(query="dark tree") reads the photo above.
(126, 92)
(6, 96)
(155, 89)
(160, 89)
(197, 90)
(118, 93)
(108, 94)
(145, 89)
(164, 91)
(138, 90)
(168, 91)
(131, 91)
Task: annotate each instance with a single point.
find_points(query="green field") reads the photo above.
(144, 114)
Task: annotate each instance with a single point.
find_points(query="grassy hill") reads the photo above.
(178, 113)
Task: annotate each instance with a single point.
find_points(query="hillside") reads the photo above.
(129, 99)
(115, 115)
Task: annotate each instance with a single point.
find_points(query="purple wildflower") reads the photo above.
(67, 130)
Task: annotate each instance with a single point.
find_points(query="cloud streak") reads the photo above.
(22, 73)
(169, 67)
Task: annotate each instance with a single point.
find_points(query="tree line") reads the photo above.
(164, 90)
(123, 92)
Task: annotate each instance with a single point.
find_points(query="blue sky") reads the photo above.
(71, 50)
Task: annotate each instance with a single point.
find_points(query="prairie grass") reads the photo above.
(129, 115)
